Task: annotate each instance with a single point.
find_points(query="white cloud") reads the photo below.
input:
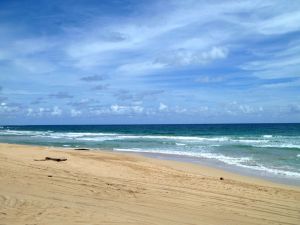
(38, 112)
(274, 63)
(75, 112)
(162, 107)
(281, 24)
(209, 79)
(148, 38)
(41, 111)
(56, 111)
(140, 68)
(180, 110)
(185, 57)
(171, 40)
(215, 53)
(246, 109)
(120, 109)
(100, 111)
(137, 109)
(235, 108)
(281, 63)
(29, 111)
(9, 108)
(29, 54)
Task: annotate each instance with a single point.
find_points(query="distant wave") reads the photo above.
(278, 146)
(228, 160)
(180, 144)
(244, 150)
(267, 136)
(260, 142)
(249, 141)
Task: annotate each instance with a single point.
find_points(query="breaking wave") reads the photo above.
(245, 162)
(248, 151)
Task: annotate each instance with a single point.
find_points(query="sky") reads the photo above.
(149, 61)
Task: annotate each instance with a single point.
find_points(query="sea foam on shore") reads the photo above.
(272, 149)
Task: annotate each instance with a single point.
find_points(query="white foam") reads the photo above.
(115, 136)
(98, 136)
(267, 136)
(180, 144)
(278, 146)
(79, 134)
(23, 132)
(226, 159)
(99, 139)
(272, 170)
(241, 161)
(182, 138)
(249, 141)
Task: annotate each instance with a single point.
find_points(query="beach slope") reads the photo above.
(114, 188)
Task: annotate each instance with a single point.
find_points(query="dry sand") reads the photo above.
(114, 188)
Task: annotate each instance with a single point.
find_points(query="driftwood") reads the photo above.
(82, 149)
(56, 159)
(51, 158)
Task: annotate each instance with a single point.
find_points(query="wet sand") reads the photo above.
(117, 188)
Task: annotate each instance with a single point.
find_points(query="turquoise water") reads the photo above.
(265, 149)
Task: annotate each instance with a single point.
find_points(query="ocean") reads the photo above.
(271, 151)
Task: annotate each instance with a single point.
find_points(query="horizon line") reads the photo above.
(136, 124)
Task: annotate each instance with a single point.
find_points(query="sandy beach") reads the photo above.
(114, 188)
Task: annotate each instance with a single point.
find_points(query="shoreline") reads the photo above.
(210, 163)
(104, 187)
(242, 171)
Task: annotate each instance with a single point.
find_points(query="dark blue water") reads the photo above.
(271, 149)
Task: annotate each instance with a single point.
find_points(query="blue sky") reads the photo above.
(115, 62)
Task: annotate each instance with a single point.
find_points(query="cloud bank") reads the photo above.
(149, 61)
